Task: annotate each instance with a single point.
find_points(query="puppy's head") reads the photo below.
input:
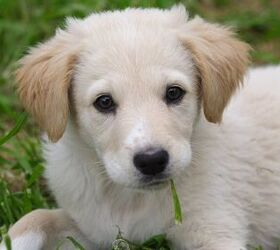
(138, 81)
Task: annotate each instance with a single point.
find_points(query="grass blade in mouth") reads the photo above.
(176, 204)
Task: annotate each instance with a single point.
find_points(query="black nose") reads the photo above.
(151, 162)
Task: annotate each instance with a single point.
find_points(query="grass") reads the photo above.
(157, 242)
(23, 23)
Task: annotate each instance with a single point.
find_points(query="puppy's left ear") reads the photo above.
(221, 61)
(44, 79)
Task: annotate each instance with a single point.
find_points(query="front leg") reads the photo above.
(44, 230)
(210, 231)
(224, 245)
(200, 240)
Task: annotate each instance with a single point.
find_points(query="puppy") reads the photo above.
(130, 99)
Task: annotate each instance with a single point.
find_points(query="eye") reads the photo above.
(174, 94)
(105, 104)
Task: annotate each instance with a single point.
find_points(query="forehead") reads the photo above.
(131, 44)
(125, 50)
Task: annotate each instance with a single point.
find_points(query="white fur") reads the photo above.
(227, 174)
(226, 191)
(29, 241)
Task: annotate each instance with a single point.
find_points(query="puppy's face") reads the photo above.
(136, 102)
(139, 79)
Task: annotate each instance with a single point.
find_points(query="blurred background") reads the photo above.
(24, 23)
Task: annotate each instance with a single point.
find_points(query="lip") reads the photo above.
(150, 184)
(154, 182)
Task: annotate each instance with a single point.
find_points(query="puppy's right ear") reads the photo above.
(44, 79)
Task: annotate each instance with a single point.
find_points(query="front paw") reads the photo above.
(27, 241)
(222, 246)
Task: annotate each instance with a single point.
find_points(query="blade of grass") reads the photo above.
(7, 241)
(19, 124)
(176, 204)
(75, 243)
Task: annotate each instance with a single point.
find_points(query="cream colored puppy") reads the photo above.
(130, 99)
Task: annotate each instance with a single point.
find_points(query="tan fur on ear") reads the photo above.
(221, 60)
(43, 81)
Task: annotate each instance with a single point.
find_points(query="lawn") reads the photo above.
(23, 23)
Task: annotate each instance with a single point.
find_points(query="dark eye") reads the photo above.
(174, 95)
(105, 104)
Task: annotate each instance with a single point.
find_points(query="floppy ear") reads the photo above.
(44, 78)
(221, 61)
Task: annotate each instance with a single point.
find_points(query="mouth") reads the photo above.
(154, 182)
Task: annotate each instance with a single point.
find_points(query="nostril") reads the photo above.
(151, 162)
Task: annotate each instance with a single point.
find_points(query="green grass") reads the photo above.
(23, 23)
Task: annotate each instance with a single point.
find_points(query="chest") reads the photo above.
(137, 219)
